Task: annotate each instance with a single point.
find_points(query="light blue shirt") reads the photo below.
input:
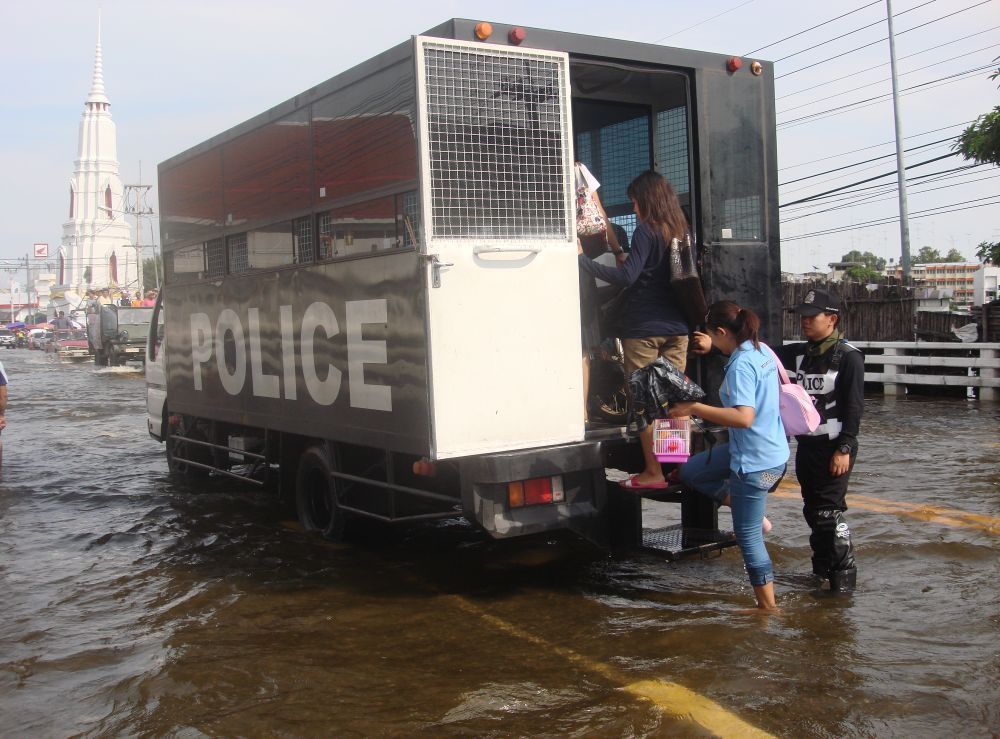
(752, 380)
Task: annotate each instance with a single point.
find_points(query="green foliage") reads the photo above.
(862, 274)
(980, 142)
(87, 274)
(152, 273)
(869, 260)
(930, 255)
(989, 252)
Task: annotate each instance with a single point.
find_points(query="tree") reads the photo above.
(861, 274)
(928, 255)
(152, 269)
(869, 260)
(989, 252)
(981, 141)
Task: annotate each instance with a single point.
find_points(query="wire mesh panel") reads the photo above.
(496, 142)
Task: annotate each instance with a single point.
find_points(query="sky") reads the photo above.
(178, 73)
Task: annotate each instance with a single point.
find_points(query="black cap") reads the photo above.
(818, 301)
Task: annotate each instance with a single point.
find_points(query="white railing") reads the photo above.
(981, 363)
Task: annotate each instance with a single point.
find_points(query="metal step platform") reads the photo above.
(697, 534)
(677, 541)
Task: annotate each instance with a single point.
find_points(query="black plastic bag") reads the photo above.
(653, 387)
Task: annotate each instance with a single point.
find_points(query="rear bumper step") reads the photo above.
(677, 541)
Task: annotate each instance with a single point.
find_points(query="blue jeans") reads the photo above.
(708, 473)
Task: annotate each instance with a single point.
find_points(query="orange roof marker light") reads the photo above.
(484, 30)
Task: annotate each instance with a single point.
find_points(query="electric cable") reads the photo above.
(874, 146)
(849, 33)
(788, 192)
(699, 23)
(813, 28)
(890, 219)
(870, 179)
(866, 161)
(871, 200)
(861, 104)
(877, 41)
(865, 194)
(881, 81)
(886, 64)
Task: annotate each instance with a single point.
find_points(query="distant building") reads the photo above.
(93, 252)
(804, 277)
(959, 277)
(839, 269)
(984, 284)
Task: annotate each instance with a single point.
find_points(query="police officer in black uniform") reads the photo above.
(833, 373)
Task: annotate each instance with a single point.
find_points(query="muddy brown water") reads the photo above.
(138, 604)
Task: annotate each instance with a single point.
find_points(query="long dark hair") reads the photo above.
(742, 323)
(658, 205)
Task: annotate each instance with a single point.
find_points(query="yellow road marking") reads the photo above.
(919, 511)
(671, 698)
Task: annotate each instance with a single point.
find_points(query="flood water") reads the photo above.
(138, 604)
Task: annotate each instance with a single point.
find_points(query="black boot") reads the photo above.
(843, 581)
(833, 553)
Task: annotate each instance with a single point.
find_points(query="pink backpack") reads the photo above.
(798, 414)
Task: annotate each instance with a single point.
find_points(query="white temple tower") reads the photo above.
(94, 252)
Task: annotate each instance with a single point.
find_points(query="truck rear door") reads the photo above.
(499, 247)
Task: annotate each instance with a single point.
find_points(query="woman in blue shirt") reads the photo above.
(743, 471)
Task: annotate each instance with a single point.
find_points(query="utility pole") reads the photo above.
(904, 217)
(134, 202)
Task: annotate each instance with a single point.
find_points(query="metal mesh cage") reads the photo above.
(216, 258)
(497, 143)
(239, 259)
(303, 240)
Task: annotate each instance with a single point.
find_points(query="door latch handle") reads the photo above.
(436, 266)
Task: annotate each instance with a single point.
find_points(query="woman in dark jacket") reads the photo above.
(653, 323)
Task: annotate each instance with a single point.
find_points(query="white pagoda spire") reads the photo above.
(97, 87)
(94, 252)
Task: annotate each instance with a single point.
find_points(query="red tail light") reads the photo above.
(536, 491)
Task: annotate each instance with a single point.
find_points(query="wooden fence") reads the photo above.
(882, 314)
(897, 364)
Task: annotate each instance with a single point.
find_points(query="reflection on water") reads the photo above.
(136, 604)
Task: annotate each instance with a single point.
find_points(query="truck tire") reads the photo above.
(316, 495)
(100, 358)
(178, 451)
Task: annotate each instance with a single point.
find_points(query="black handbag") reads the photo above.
(686, 283)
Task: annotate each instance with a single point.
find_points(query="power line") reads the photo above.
(891, 219)
(699, 23)
(870, 179)
(788, 192)
(813, 28)
(862, 194)
(867, 103)
(879, 82)
(849, 33)
(866, 161)
(877, 41)
(886, 64)
(876, 197)
(873, 146)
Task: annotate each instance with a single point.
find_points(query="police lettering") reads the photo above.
(319, 324)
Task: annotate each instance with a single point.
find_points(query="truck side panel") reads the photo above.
(335, 351)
